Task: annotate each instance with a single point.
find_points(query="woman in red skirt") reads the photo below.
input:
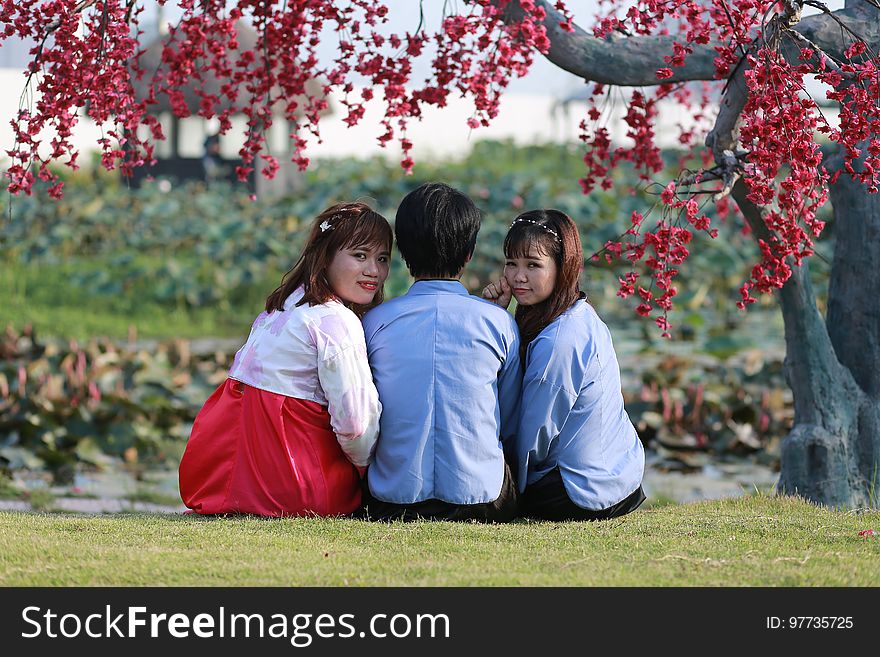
(293, 428)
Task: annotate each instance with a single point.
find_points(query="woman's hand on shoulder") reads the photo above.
(498, 292)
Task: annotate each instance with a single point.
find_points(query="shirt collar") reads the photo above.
(438, 287)
(579, 307)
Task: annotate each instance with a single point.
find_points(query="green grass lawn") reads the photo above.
(44, 296)
(750, 541)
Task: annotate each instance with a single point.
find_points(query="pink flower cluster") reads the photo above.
(781, 160)
(89, 55)
(81, 61)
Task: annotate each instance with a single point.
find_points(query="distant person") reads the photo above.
(212, 161)
(446, 365)
(577, 454)
(293, 428)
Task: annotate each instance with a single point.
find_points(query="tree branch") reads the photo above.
(722, 140)
(634, 60)
(830, 63)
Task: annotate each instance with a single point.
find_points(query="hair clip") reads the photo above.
(539, 225)
(326, 225)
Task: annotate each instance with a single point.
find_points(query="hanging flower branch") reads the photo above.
(89, 55)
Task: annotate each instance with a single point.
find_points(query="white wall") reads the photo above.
(524, 118)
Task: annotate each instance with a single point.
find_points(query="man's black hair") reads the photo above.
(436, 229)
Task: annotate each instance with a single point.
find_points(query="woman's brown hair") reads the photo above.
(341, 226)
(553, 233)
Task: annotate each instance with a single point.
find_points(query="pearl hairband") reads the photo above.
(539, 225)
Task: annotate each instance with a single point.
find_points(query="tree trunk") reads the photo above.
(853, 311)
(832, 454)
(823, 457)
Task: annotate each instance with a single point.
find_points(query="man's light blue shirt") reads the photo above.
(447, 368)
(572, 413)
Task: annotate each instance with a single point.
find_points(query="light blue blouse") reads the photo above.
(447, 368)
(572, 413)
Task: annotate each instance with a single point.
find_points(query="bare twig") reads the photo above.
(54, 25)
(830, 62)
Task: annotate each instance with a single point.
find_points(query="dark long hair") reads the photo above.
(341, 226)
(553, 233)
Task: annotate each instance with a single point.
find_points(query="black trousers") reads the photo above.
(547, 499)
(502, 509)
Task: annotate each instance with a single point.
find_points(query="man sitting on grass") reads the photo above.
(447, 368)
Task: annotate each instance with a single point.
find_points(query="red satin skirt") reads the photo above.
(258, 452)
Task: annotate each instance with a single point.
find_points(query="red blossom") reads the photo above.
(93, 56)
(783, 169)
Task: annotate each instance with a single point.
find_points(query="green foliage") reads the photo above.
(47, 297)
(207, 258)
(124, 249)
(149, 496)
(9, 490)
(738, 405)
(191, 263)
(64, 404)
(40, 499)
(748, 541)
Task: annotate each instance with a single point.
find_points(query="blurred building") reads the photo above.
(193, 148)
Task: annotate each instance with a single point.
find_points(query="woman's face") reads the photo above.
(356, 274)
(531, 278)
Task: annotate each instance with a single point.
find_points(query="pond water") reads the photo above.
(709, 482)
(157, 491)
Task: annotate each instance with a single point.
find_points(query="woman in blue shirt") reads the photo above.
(577, 454)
